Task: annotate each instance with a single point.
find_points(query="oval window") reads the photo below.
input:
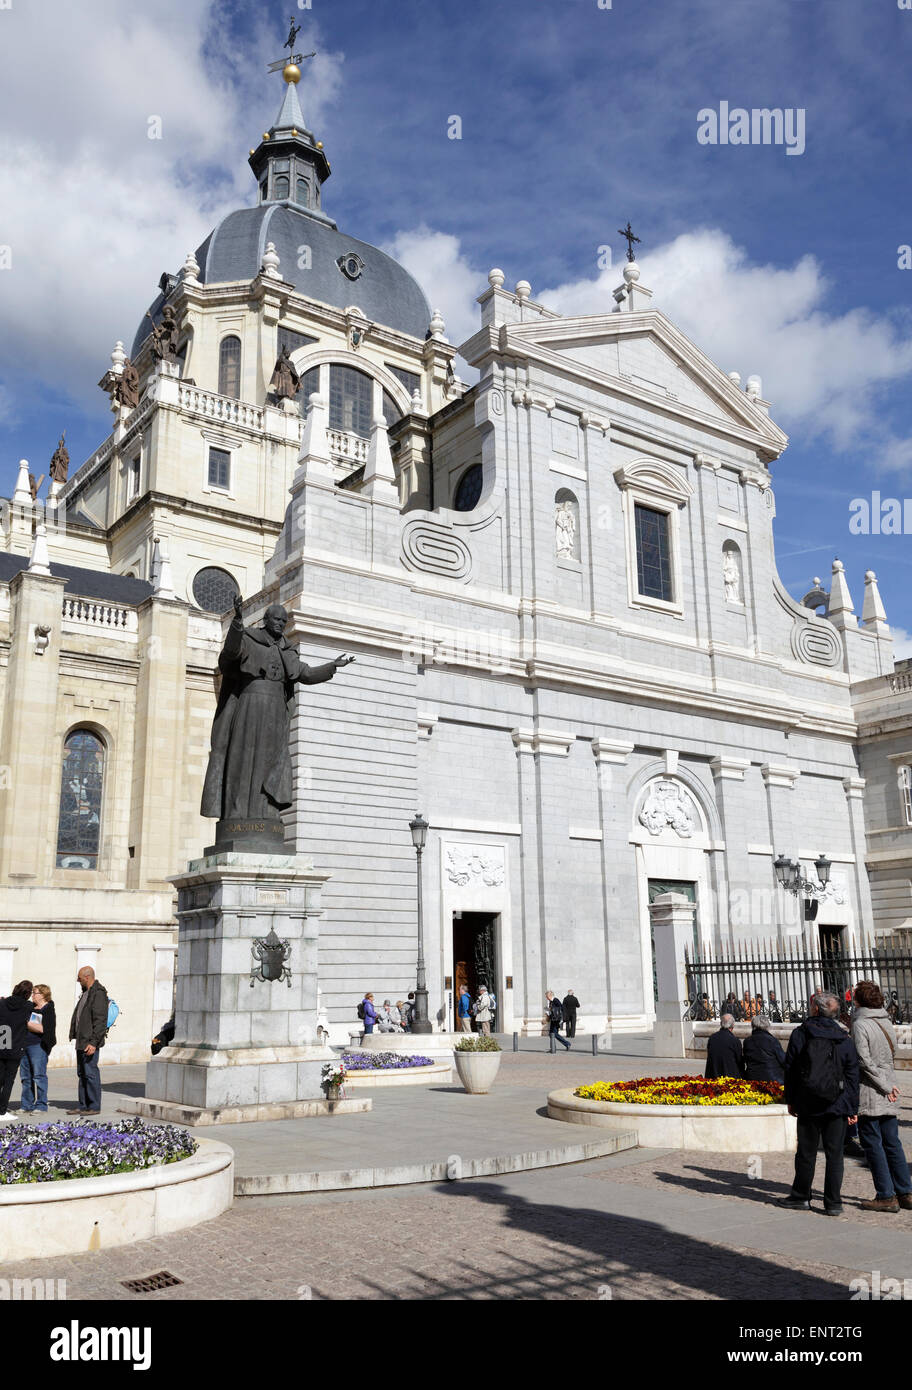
(468, 489)
(214, 590)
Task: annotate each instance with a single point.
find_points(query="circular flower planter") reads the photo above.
(707, 1128)
(71, 1215)
(477, 1070)
(364, 1070)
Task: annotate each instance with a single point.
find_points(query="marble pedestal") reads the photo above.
(243, 1049)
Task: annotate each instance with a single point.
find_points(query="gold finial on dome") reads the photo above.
(291, 72)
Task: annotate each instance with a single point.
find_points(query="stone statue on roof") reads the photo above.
(126, 386)
(60, 461)
(285, 381)
(165, 335)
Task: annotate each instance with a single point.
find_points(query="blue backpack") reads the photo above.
(113, 1014)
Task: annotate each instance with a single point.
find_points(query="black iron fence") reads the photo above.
(778, 979)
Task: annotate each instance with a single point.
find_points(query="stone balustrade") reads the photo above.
(225, 409)
(345, 447)
(96, 613)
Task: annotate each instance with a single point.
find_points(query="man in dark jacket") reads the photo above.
(723, 1051)
(570, 1004)
(15, 1036)
(764, 1059)
(821, 1090)
(88, 1029)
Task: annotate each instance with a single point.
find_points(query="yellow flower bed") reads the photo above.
(684, 1090)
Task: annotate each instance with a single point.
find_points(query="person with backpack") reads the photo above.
(878, 1124)
(89, 1029)
(555, 1010)
(483, 1011)
(464, 1010)
(367, 1013)
(821, 1091)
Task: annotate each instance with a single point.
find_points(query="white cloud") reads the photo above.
(819, 368)
(92, 208)
(902, 643)
(450, 283)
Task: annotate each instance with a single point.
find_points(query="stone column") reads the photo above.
(672, 924)
(533, 986)
(163, 984)
(623, 971)
(30, 737)
(732, 799)
(854, 790)
(780, 781)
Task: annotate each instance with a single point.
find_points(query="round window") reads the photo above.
(468, 489)
(214, 590)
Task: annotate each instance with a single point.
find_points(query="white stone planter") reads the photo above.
(710, 1128)
(408, 1076)
(477, 1070)
(74, 1215)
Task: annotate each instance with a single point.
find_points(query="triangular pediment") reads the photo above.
(644, 354)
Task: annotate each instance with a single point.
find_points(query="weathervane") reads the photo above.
(630, 238)
(293, 58)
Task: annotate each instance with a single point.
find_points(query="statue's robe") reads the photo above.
(249, 772)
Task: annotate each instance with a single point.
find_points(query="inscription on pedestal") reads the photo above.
(272, 897)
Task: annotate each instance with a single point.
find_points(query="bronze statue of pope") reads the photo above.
(249, 772)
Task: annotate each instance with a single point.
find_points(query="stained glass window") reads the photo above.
(654, 579)
(79, 827)
(391, 411)
(229, 383)
(351, 395)
(410, 380)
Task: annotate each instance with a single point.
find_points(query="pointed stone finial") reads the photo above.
(271, 262)
(39, 560)
(23, 492)
(496, 278)
(841, 610)
(417, 404)
(873, 614)
(437, 326)
(118, 358)
(314, 456)
(162, 582)
(379, 473)
(190, 270)
(523, 290)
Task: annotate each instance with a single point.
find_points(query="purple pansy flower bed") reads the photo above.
(383, 1061)
(45, 1153)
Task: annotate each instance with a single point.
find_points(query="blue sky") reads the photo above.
(574, 118)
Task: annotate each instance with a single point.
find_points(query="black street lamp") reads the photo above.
(420, 1021)
(789, 875)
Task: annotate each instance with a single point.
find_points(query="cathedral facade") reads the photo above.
(573, 652)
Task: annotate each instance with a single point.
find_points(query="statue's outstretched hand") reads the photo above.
(238, 606)
(343, 660)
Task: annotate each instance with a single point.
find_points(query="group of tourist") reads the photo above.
(28, 1032)
(389, 1018)
(561, 1013)
(837, 1074)
(480, 1010)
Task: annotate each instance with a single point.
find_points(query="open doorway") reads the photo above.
(475, 952)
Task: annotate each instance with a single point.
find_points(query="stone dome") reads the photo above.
(380, 287)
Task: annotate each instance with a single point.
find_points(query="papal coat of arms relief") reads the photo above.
(467, 864)
(668, 804)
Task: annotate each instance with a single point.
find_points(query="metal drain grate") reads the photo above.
(152, 1282)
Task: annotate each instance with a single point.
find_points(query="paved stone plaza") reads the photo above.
(643, 1224)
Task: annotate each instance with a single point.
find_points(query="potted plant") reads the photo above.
(477, 1062)
(332, 1079)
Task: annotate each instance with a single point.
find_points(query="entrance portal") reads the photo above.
(474, 952)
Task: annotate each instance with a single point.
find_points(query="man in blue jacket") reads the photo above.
(821, 1090)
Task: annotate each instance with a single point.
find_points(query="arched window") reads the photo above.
(81, 784)
(391, 411)
(468, 489)
(301, 192)
(229, 383)
(351, 395)
(280, 186)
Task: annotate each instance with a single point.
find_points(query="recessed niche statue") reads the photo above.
(248, 780)
(668, 805)
(731, 575)
(565, 529)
